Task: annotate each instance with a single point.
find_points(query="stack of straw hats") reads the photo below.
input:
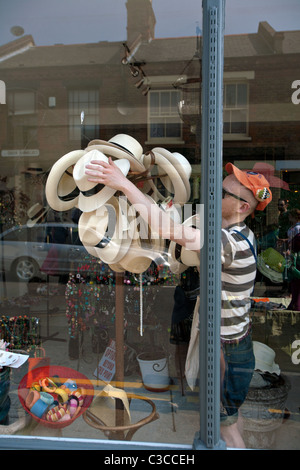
(109, 227)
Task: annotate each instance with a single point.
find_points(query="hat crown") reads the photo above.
(79, 175)
(128, 144)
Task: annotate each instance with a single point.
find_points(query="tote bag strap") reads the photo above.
(249, 243)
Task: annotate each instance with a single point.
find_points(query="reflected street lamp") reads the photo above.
(189, 83)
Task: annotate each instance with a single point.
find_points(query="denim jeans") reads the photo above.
(239, 366)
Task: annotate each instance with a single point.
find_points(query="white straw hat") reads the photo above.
(106, 232)
(94, 195)
(120, 146)
(145, 247)
(36, 213)
(265, 358)
(181, 164)
(61, 191)
(181, 195)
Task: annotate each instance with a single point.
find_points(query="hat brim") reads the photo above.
(142, 252)
(181, 164)
(93, 202)
(93, 228)
(31, 222)
(58, 198)
(181, 193)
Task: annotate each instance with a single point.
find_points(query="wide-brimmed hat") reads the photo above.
(106, 233)
(145, 248)
(181, 164)
(190, 257)
(181, 193)
(256, 182)
(265, 358)
(120, 146)
(180, 257)
(93, 195)
(36, 213)
(61, 190)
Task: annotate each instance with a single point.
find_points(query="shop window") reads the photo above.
(164, 120)
(83, 114)
(236, 110)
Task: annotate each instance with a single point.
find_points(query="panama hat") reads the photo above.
(265, 358)
(181, 164)
(146, 246)
(190, 257)
(36, 213)
(106, 232)
(120, 146)
(181, 195)
(92, 195)
(61, 191)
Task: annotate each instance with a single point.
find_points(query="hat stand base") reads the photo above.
(124, 433)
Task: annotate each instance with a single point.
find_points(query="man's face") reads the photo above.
(231, 193)
(281, 206)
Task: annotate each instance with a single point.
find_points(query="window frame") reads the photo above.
(162, 118)
(91, 110)
(237, 78)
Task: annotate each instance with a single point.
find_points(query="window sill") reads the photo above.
(236, 137)
(164, 141)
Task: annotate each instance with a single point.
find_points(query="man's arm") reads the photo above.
(160, 222)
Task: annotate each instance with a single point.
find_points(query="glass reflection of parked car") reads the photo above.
(50, 248)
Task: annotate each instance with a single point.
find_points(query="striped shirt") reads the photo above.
(238, 277)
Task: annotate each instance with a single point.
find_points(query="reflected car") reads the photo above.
(33, 252)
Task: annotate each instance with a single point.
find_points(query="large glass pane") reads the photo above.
(79, 295)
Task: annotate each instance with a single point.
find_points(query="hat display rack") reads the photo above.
(110, 228)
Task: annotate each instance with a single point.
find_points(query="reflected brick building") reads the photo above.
(128, 87)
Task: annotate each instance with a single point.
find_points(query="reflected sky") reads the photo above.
(85, 21)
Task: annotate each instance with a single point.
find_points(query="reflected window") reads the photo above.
(21, 102)
(86, 101)
(236, 109)
(164, 120)
(22, 119)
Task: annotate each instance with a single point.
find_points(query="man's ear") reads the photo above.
(244, 207)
